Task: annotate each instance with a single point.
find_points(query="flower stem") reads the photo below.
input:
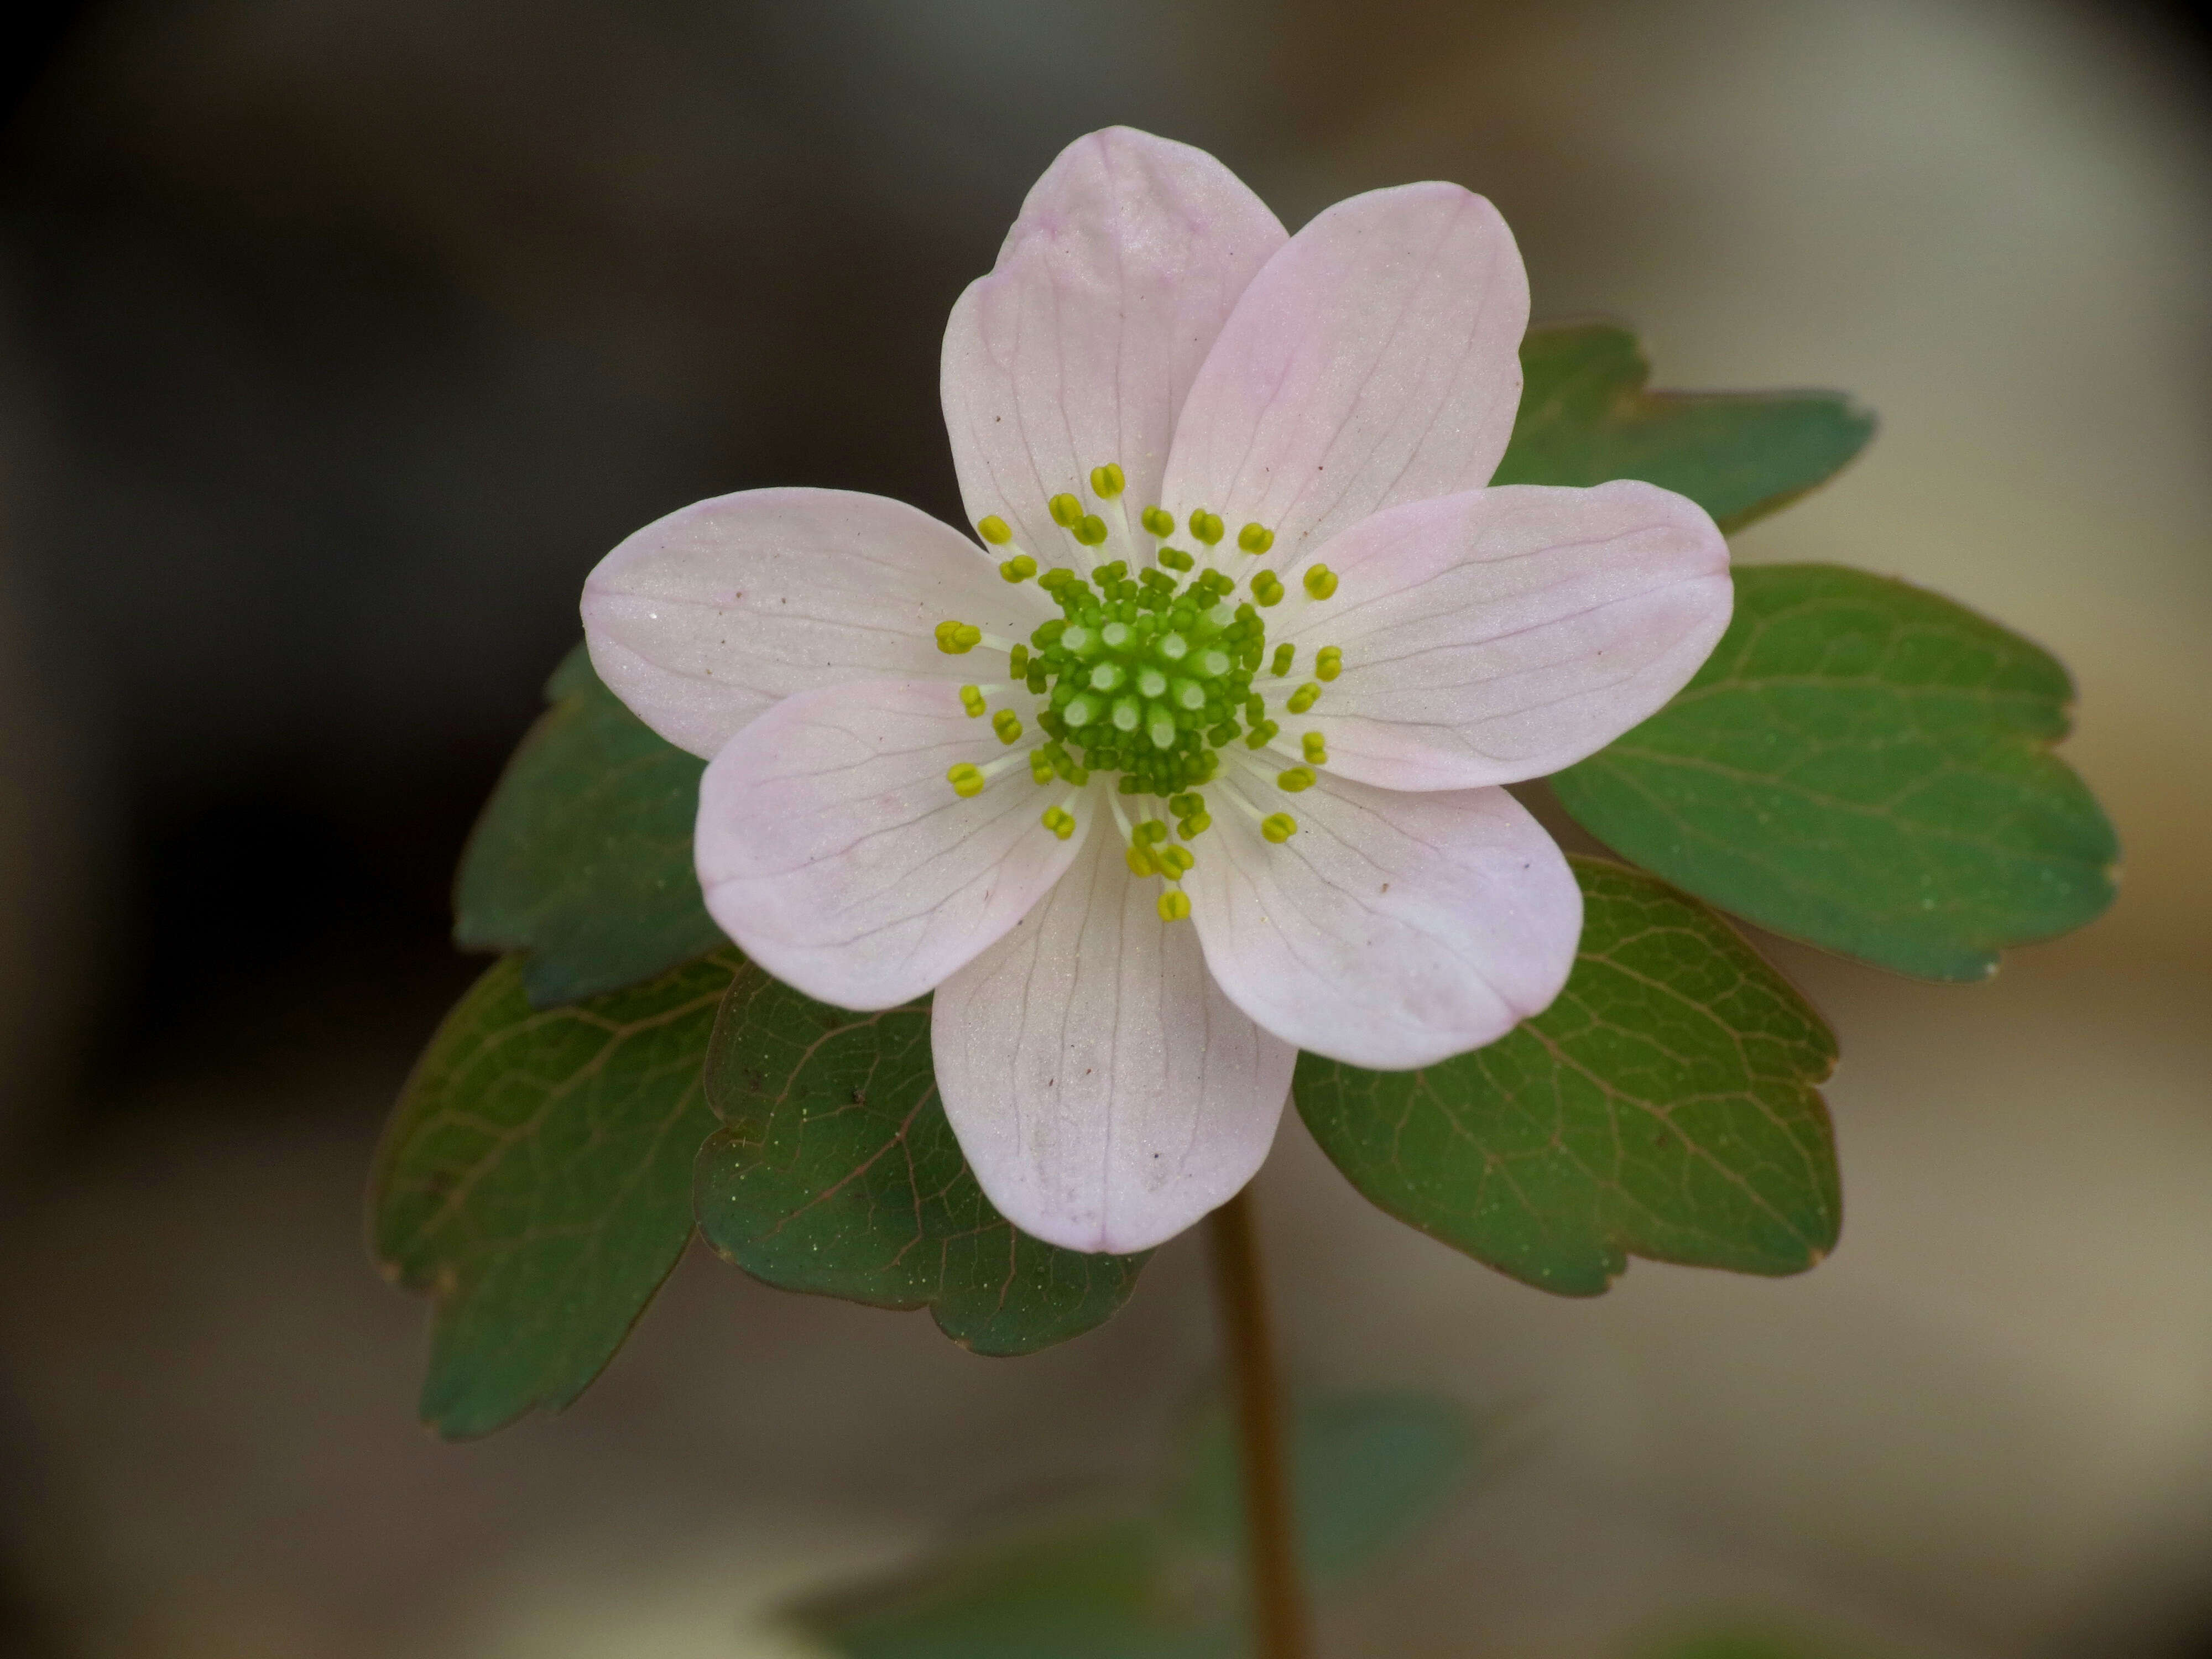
(1277, 1601)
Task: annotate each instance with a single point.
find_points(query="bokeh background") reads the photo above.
(339, 338)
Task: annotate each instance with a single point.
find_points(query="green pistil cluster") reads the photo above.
(1148, 674)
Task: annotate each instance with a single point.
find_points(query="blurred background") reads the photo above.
(339, 338)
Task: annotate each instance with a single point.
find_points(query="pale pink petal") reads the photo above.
(1392, 930)
(1375, 361)
(1106, 1093)
(1079, 347)
(702, 619)
(833, 850)
(1503, 633)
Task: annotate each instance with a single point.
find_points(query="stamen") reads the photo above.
(1303, 698)
(1174, 557)
(1315, 748)
(1267, 587)
(1107, 481)
(1320, 582)
(1295, 779)
(971, 699)
(1091, 529)
(1205, 526)
(1059, 821)
(968, 780)
(1254, 538)
(1019, 568)
(1284, 654)
(956, 639)
(1173, 905)
(1008, 725)
(1159, 523)
(1066, 512)
(1279, 827)
(994, 529)
(1330, 663)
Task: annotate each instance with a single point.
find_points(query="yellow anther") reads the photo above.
(1330, 663)
(956, 639)
(1091, 529)
(1059, 821)
(1279, 827)
(1176, 860)
(1254, 538)
(1196, 825)
(1019, 568)
(1066, 512)
(1205, 526)
(1017, 662)
(1285, 654)
(1303, 698)
(1297, 778)
(1173, 906)
(1008, 725)
(1158, 520)
(1316, 748)
(1267, 587)
(994, 530)
(1141, 862)
(1107, 481)
(966, 780)
(971, 699)
(1151, 833)
(1176, 559)
(1041, 771)
(1321, 583)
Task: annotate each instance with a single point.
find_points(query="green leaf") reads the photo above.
(1865, 767)
(1585, 418)
(582, 858)
(535, 1181)
(1368, 1469)
(1161, 1581)
(1665, 1106)
(835, 1172)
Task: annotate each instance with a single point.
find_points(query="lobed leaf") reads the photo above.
(582, 858)
(1585, 418)
(535, 1180)
(1866, 767)
(1161, 1581)
(1665, 1106)
(835, 1172)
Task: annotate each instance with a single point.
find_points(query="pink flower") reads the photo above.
(1241, 577)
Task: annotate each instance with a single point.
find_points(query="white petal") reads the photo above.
(1375, 361)
(1107, 1094)
(833, 850)
(1079, 347)
(1503, 633)
(1392, 930)
(702, 619)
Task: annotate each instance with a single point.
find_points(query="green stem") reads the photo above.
(1278, 1608)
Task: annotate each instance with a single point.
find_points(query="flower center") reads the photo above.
(1149, 673)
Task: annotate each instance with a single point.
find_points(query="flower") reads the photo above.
(1196, 760)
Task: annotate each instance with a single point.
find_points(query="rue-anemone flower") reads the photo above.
(1193, 758)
